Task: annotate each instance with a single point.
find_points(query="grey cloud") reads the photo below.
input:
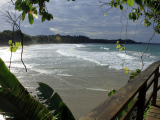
(86, 18)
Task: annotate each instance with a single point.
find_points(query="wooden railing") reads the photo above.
(114, 105)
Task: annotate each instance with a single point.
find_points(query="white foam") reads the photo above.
(79, 45)
(47, 71)
(96, 89)
(67, 75)
(104, 48)
(123, 55)
(116, 59)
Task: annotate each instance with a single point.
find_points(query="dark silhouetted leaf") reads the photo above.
(31, 19)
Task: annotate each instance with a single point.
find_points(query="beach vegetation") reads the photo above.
(50, 39)
(29, 7)
(147, 110)
(17, 102)
(111, 92)
(148, 9)
(120, 46)
(14, 47)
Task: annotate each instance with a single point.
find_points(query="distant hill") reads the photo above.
(6, 35)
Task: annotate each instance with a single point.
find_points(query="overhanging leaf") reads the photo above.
(18, 2)
(18, 101)
(31, 19)
(23, 16)
(46, 90)
(118, 46)
(138, 2)
(35, 11)
(51, 16)
(43, 19)
(121, 7)
(130, 2)
(125, 68)
(7, 79)
(53, 102)
(121, 49)
(65, 112)
(45, 93)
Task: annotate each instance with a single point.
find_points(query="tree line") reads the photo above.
(6, 35)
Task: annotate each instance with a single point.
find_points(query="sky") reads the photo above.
(85, 17)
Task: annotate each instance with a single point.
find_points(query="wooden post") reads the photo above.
(156, 75)
(141, 102)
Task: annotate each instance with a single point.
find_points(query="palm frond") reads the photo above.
(14, 98)
(23, 105)
(7, 79)
(53, 102)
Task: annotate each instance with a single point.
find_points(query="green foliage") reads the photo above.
(23, 105)
(18, 103)
(7, 79)
(132, 16)
(111, 92)
(28, 7)
(105, 14)
(130, 2)
(53, 102)
(65, 113)
(31, 19)
(120, 46)
(150, 9)
(14, 47)
(147, 110)
(121, 7)
(16, 99)
(134, 74)
(127, 70)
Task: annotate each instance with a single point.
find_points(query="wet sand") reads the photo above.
(81, 102)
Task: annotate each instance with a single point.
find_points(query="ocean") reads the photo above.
(82, 74)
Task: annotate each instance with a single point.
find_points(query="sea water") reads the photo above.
(64, 60)
(79, 70)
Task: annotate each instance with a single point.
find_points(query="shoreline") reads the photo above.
(81, 83)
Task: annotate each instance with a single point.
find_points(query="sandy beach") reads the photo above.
(79, 100)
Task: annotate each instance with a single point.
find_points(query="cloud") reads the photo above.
(57, 31)
(53, 29)
(86, 18)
